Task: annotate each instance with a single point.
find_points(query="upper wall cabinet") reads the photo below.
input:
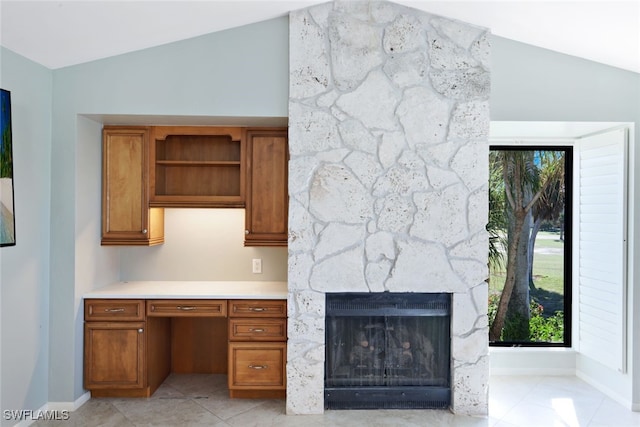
(197, 166)
(267, 187)
(126, 216)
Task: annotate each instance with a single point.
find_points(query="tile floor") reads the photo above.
(202, 400)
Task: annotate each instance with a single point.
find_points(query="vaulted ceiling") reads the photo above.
(61, 33)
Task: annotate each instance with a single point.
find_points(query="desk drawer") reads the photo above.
(257, 308)
(186, 308)
(113, 310)
(259, 366)
(241, 329)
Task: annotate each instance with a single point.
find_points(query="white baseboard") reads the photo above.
(69, 406)
(57, 407)
(547, 372)
(542, 361)
(28, 422)
(606, 390)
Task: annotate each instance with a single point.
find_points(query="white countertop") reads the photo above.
(192, 290)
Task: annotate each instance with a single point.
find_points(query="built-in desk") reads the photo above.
(136, 333)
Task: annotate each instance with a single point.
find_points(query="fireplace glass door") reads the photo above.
(387, 350)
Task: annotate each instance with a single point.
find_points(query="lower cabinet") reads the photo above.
(257, 348)
(129, 344)
(114, 356)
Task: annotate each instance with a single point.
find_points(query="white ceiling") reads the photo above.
(62, 33)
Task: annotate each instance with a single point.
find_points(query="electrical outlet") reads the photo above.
(257, 266)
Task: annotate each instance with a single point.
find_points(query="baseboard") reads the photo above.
(69, 406)
(53, 411)
(548, 372)
(30, 419)
(523, 361)
(606, 390)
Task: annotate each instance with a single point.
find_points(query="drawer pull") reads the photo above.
(258, 309)
(187, 307)
(258, 367)
(257, 330)
(114, 310)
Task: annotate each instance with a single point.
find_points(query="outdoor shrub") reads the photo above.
(540, 328)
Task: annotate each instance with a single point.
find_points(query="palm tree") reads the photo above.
(523, 187)
(550, 206)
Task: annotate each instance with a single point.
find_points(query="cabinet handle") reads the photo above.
(258, 366)
(186, 307)
(246, 231)
(257, 330)
(140, 330)
(258, 309)
(144, 231)
(114, 310)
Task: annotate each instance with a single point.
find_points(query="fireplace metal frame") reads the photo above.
(388, 304)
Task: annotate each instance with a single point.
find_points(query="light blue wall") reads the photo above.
(24, 268)
(533, 84)
(241, 72)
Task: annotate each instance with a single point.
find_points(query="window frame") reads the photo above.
(568, 149)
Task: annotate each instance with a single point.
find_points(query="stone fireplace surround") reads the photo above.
(388, 175)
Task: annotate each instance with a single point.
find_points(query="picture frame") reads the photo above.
(7, 204)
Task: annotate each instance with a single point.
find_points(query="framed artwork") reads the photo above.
(7, 214)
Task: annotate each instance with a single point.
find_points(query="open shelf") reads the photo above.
(197, 167)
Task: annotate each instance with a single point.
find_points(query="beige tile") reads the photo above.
(95, 412)
(166, 412)
(197, 399)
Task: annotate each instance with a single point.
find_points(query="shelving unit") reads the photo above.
(197, 167)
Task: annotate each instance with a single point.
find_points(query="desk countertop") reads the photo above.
(192, 290)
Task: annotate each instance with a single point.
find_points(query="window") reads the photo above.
(530, 226)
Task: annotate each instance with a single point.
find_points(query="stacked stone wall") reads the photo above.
(388, 176)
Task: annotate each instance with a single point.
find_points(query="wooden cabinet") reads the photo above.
(114, 355)
(197, 166)
(114, 310)
(131, 345)
(186, 308)
(267, 204)
(147, 168)
(257, 348)
(124, 354)
(127, 218)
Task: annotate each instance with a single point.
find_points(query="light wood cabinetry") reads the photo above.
(127, 218)
(257, 348)
(197, 166)
(267, 204)
(114, 355)
(124, 354)
(187, 308)
(131, 345)
(148, 168)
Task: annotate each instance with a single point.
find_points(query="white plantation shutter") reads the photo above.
(602, 247)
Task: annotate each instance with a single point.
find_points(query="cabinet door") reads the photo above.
(267, 188)
(114, 355)
(126, 216)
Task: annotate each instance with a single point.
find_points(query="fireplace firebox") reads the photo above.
(387, 351)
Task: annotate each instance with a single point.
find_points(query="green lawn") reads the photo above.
(547, 274)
